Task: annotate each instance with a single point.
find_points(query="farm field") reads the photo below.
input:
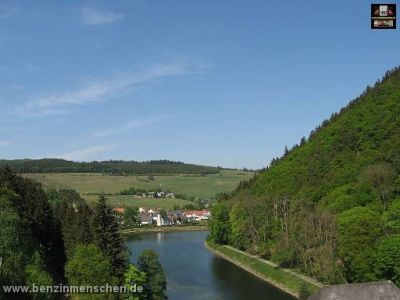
(190, 185)
(131, 201)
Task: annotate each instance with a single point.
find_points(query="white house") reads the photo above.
(197, 215)
(159, 220)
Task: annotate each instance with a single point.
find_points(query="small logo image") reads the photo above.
(383, 16)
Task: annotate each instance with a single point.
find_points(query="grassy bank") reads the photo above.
(276, 276)
(165, 229)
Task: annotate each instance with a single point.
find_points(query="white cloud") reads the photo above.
(92, 16)
(88, 153)
(133, 125)
(6, 143)
(97, 91)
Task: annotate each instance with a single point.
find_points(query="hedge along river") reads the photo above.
(193, 272)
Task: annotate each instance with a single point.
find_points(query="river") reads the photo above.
(193, 272)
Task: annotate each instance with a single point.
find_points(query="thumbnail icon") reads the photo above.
(383, 16)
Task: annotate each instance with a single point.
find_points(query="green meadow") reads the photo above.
(131, 201)
(191, 185)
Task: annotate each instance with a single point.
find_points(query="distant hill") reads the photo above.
(117, 167)
(331, 204)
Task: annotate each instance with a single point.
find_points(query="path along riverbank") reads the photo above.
(284, 279)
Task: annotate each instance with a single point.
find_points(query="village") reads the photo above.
(160, 217)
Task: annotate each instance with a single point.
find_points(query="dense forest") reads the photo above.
(330, 205)
(53, 238)
(117, 167)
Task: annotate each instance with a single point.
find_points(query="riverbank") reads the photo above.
(284, 279)
(164, 229)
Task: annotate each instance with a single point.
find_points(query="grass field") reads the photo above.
(190, 185)
(130, 201)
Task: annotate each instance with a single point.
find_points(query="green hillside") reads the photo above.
(188, 184)
(185, 186)
(330, 206)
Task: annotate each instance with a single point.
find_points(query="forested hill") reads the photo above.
(364, 133)
(330, 205)
(118, 167)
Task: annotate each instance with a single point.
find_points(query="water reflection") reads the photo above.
(195, 273)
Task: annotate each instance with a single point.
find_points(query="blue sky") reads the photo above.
(213, 82)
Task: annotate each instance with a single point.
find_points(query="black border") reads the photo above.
(372, 15)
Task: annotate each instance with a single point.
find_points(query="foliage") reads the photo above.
(304, 293)
(156, 283)
(38, 276)
(134, 277)
(239, 235)
(27, 226)
(36, 215)
(37, 228)
(219, 224)
(381, 177)
(392, 216)
(131, 216)
(88, 266)
(75, 218)
(13, 246)
(359, 228)
(331, 198)
(118, 167)
(108, 238)
(387, 258)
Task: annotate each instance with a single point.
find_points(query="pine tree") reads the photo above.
(108, 238)
(156, 283)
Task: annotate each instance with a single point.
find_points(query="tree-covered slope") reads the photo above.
(367, 131)
(331, 204)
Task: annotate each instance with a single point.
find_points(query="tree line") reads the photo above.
(52, 238)
(112, 167)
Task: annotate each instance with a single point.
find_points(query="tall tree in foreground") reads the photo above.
(74, 217)
(133, 276)
(219, 226)
(37, 275)
(13, 245)
(156, 283)
(88, 266)
(108, 237)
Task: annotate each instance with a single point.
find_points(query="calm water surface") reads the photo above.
(193, 272)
